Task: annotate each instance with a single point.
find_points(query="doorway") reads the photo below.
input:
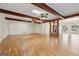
(54, 28)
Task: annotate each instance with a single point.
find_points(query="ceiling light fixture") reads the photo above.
(44, 16)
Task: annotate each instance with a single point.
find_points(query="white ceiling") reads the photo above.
(65, 8)
(25, 8)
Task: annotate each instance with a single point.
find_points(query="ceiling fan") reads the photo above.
(43, 16)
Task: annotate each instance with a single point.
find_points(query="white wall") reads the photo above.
(68, 22)
(38, 28)
(17, 27)
(42, 28)
(3, 27)
(73, 37)
(8, 27)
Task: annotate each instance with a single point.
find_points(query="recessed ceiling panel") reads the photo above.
(65, 8)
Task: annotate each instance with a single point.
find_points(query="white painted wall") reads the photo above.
(17, 27)
(3, 27)
(73, 37)
(42, 28)
(68, 22)
(8, 27)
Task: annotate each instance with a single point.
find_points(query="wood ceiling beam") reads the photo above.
(73, 15)
(47, 8)
(17, 14)
(23, 15)
(51, 10)
(53, 20)
(14, 19)
(69, 16)
(45, 21)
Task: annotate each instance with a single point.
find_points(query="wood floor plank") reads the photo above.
(35, 45)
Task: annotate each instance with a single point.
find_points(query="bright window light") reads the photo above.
(37, 11)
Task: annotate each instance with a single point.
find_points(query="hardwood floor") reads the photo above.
(35, 45)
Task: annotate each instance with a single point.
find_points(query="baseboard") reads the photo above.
(24, 34)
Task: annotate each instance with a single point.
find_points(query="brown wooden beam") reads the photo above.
(17, 14)
(52, 20)
(14, 19)
(69, 16)
(23, 15)
(53, 27)
(51, 10)
(58, 28)
(73, 15)
(47, 8)
(50, 28)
